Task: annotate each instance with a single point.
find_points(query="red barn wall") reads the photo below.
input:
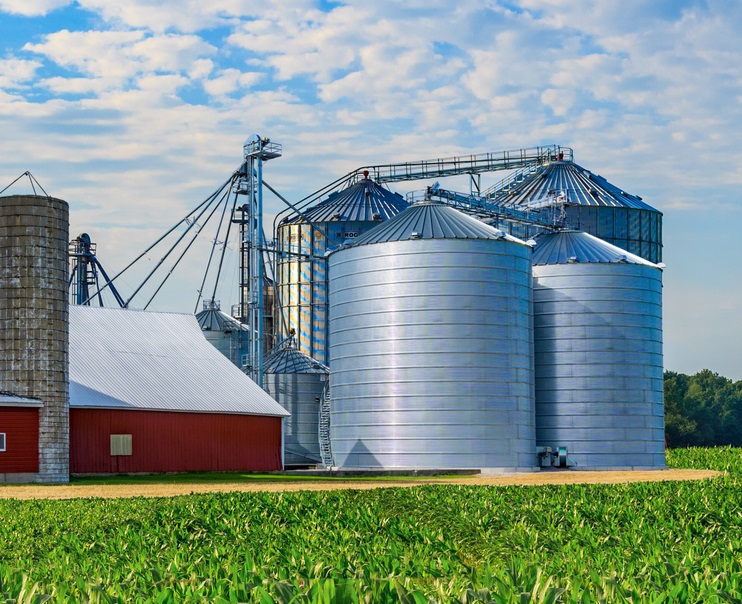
(21, 427)
(173, 442)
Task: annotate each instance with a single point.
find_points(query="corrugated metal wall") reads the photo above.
(21, 427)
(431, 344)
(174, 442)
(599, 367)
(299, 394)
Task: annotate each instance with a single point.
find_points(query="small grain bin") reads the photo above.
(228, 335)
(598, 352)
(297, 382)
(431, 345)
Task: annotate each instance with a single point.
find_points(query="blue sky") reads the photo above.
(135, 111)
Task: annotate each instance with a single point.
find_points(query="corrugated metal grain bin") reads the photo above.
(431, 345)
(301, 275)
(225, 333)
(297, 382)
(598, 347)
(594, 205)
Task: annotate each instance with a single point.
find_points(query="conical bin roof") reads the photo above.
(566, 247)
(432, 220)
(362, 201)
(578, 185)
(287, 359)
(213, 319)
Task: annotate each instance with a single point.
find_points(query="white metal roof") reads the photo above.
(8, 399)
(130, 359)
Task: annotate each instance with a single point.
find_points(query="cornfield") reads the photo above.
(642, 542)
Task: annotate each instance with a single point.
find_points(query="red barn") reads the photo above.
(148, 393)
(19, 437)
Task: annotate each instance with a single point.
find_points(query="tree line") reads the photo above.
(702, 410)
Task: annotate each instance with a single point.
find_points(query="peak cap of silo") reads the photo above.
(568, 247)
(432, 220)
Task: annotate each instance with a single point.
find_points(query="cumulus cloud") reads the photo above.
(15, 73)
(317, 43)
(92, 53)
(118, 55)
(646, 93)
(165, 15)
(32, 8)
(228, 81)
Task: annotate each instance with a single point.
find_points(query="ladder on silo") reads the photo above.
(325, 447)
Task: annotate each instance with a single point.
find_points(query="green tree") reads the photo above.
(704, 409)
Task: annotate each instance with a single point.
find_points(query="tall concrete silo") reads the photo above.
(431, 345)
(34, 341)
(598, 352)
(301, 275)
(593, 205)
(298, 383)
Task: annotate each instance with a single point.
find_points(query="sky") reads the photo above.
(135, 111)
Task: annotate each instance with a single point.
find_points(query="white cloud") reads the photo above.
(15, 73)
(229, 80)
(59, 85)
(200, 68)
(317, 43)
(164, 15)
(189, 16)
(119, 55)
(560, 101)
(91, 53)
(647, 94)
(170, 52)
(32, 8)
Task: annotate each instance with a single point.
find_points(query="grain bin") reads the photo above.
(431, 345)
(598, 352)
(228, 335)
(303, 240)
(297, 382)
(594, 205)
(34, 234)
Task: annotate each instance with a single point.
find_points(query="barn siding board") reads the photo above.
(173, 442)
(21, 427)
